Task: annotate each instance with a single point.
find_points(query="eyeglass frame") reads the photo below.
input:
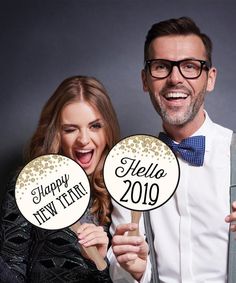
(203, 63)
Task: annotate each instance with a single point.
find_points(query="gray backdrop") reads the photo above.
(45, 41)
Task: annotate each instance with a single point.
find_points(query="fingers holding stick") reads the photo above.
(92, 251)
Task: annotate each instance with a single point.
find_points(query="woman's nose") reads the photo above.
(83, 137)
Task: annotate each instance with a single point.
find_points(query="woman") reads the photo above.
(78, 121)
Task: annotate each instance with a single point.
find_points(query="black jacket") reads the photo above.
(31, 254)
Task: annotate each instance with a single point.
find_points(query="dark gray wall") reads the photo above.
(44, 41)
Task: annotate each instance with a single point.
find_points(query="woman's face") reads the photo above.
(83, 135)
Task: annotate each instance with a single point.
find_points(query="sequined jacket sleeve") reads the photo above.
(15, 240)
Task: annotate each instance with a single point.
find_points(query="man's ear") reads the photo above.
(144, 80)
(212, 73)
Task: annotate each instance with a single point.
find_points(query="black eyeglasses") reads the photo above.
(188, 68)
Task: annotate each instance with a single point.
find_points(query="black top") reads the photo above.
(31, 254)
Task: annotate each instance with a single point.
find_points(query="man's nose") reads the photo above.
(175, 76)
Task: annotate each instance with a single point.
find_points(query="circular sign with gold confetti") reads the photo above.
(141, 172)
(52, 191)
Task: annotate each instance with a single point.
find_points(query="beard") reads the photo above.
(176, 115)
(178, 119)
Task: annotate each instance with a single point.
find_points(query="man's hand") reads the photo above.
(131, 251)
(232, 217)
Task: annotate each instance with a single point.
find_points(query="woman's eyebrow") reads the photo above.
(96, 121)
(68, 125)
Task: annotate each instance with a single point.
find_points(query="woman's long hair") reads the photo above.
(46, 138)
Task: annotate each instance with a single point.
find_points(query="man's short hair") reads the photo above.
(180, 26)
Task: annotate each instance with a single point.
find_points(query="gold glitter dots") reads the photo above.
(39, 168)
(144, 145)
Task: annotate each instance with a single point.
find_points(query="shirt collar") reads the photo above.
(206, 129)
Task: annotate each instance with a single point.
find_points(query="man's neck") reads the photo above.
(180, 132)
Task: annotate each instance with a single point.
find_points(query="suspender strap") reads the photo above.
(232, 235)
(150, 240)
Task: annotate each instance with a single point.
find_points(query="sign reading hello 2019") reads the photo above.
(141, 172)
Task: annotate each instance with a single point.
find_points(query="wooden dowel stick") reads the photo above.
(135, 218)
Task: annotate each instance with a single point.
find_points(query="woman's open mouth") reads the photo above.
(84, 157)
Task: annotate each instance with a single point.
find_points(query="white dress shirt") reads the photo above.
(191, 235)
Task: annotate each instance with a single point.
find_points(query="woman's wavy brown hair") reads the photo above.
(46, 138)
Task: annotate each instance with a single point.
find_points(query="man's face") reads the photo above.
(178, 100)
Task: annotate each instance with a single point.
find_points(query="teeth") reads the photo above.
(176, 95)
(84, 150)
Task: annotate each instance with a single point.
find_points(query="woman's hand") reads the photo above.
(91, 235)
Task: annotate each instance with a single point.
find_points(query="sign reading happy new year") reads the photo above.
(141, 172)
(52, 191)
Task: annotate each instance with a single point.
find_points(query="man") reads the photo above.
(191, 229)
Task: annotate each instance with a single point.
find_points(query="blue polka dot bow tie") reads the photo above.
(191, 149)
